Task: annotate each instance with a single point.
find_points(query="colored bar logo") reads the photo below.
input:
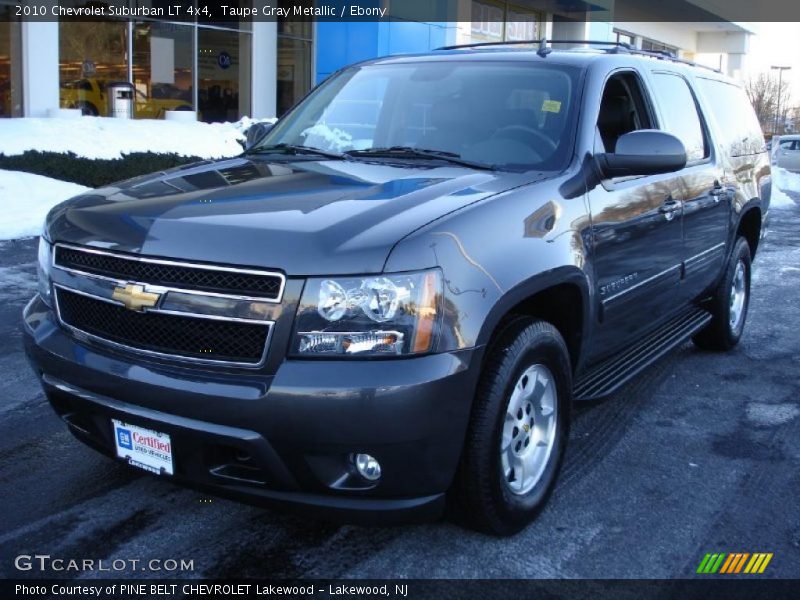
(731, 563)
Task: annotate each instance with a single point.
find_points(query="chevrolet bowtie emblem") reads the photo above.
(134, 297)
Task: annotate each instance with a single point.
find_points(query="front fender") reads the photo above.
(499, 252)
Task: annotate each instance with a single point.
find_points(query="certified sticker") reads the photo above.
(143, 448)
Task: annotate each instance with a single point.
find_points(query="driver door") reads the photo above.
(636, 227)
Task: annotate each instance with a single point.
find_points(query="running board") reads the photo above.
(608, 376)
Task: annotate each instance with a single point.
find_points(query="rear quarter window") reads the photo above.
(737, 128)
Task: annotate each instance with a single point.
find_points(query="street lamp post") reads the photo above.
(780, 89)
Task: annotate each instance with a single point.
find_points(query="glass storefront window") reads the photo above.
(296, 29)
(522, 26)
(487, 22)
(91, 54)
(654, 46)
(497, 21)
(294, 61)
(294, 72)
(10, 65)
(201, 66)
(223, 79)
(625, 38)
(162, 68)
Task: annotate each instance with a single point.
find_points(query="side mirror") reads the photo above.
(643, 152)
(255, 133)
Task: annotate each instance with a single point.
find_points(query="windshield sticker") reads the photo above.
(553, 106)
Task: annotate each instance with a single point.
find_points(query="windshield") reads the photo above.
(516, 116)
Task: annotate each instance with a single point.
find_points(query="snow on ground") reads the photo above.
(783, 181)
(101, 137)
(26, 200)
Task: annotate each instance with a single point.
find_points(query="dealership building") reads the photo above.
(230, 69)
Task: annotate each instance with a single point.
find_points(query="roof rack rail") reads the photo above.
(542, 43)
(664, 55)
(610, 47)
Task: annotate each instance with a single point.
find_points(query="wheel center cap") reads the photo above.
(526, 428)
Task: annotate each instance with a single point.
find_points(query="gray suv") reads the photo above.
(387, 305)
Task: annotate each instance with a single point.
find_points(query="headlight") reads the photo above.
(43, 270)
(385, 315)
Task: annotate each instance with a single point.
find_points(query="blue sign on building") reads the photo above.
(339, 44)
(224, 60)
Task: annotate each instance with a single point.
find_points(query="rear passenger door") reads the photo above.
(706, 201)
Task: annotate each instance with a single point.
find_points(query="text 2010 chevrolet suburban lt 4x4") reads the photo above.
(386, 306)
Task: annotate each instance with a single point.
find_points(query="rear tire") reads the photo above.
(729, 304)
(517, 432)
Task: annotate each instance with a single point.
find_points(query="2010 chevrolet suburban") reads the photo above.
(387, 304)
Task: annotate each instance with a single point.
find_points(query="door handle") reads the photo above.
(717, 191)
(669, 208)
(670, 205)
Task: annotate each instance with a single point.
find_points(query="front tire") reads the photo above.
(518, 430)
(729, 304)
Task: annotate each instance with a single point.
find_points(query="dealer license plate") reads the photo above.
(144, 448)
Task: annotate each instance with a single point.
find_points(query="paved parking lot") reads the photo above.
(702, 454)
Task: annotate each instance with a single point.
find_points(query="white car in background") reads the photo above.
(786, 152)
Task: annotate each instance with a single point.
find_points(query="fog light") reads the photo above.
(367, 466)
(342, 342)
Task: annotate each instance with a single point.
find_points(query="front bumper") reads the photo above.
(284, 439)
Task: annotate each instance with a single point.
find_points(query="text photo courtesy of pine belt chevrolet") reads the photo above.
(385, 308)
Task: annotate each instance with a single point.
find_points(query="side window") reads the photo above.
(789, 145)
(622, 109)
(681, 116)
(736, 121)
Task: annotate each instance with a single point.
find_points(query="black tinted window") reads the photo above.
(622, 109)
(733, 114)
(680, 113)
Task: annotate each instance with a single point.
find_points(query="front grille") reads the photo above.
(189, 277)
(177, 336)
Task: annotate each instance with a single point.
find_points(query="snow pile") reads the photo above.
(26, 200)
(101, 137)
(243, 124)
(783, 181)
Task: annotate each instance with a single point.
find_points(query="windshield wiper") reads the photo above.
(411, 152)
(296, 149)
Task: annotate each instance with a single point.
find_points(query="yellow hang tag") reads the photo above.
(552, 106)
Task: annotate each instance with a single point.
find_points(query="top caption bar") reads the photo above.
(439, 11)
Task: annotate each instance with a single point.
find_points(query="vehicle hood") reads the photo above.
(303, 217)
